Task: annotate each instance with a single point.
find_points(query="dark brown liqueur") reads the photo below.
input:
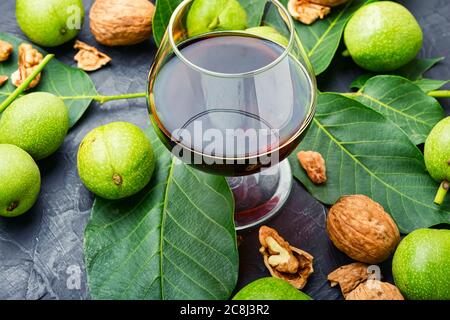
(229, 113)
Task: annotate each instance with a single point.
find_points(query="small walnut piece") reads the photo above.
(375, 290)
(359, 227)
(349, 277)
(5, 50)
(29, 60)
(314, 165)
(307, 12)
(89, 58)
(284, 261)
(3, 80)
(121, 22)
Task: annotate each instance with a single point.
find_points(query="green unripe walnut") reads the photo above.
(50, 23)
(215, 15)
(269, 33)
(115, 160)
(270, 289)
(437, 156)
(37, 122)
(20, 181)
(421, 265)
(383, 36)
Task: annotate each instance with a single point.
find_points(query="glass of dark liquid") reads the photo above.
(235, 103)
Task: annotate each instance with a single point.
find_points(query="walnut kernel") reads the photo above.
(314, 165)
(29, 60)
(89, 58)
(307, 12)
(5, 50)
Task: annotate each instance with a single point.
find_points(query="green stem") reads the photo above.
(442, 191)
(26, 83)
(103, 99)
(346, 53)
(439, 94)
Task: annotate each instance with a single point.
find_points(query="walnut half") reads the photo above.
(5, 50)
(284, 261)
(29, 60)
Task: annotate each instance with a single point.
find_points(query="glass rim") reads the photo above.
(289, 22)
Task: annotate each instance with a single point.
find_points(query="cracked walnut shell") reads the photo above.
(375, 290)
(348, 277)
(284, 261)
(314, 165)
(89, 58)
(29, 60)
(5, 50)
(306, 11)
(359, 227)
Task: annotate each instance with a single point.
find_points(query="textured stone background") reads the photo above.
(40, 250)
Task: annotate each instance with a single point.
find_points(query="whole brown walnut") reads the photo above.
(359, 227)
(121, 22)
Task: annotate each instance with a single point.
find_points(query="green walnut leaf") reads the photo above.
(255, 11)
(413, 71)
(428, 85)
(174, 240)
(71, 84)
(164, 9)
(321, 39)
(366, 154)
(404, 103)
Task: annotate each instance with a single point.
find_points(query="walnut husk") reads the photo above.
(29, 60)
(359, 227)
(296, 265)
(314, 165)
(306, 11)
(121, 22)
(375, 290)
(5, 50)
(89, 58)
